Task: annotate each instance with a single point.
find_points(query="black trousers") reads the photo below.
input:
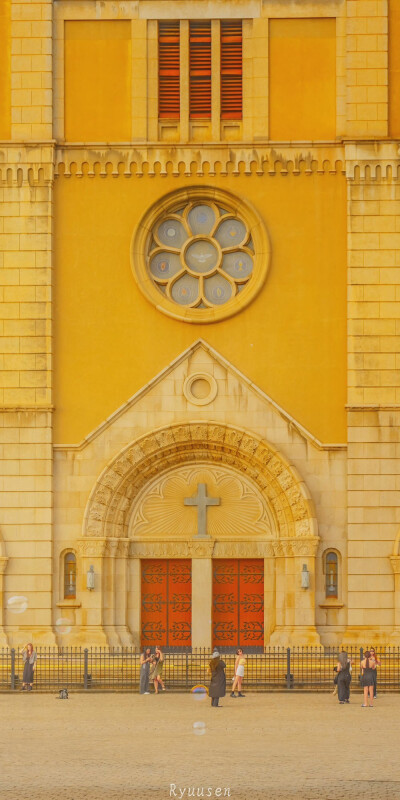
(214, 701)
(374, 678)
(343, 686)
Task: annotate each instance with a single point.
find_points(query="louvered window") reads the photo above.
(169, 72)
(231, 69)
(200, 69)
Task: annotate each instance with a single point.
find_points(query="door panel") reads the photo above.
(238, 603)
(167, 602)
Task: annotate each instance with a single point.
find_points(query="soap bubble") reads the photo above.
(199, 692)
(17, 604)
(63, 626)
(199, 728)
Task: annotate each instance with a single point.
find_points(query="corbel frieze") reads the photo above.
(31, 164)
(372, 161)
(191, 161)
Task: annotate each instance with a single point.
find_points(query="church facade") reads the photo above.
(200, 262)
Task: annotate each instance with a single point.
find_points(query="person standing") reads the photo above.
(144, 681)
(240, 664)
(378, 663)
(368, 666)
(156, 670)
(343, 677)
(218, 678)
(30, 657)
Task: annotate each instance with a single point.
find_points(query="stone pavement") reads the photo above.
(128, 747)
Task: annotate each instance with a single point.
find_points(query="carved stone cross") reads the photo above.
(202, 501)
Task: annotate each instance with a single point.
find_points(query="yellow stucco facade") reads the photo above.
(120, 394)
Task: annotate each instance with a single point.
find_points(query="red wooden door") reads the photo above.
(238, 603)
(167, 602)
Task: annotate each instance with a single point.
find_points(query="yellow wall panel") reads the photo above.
(291, 340)
(5, 69)
(98, 81)
(302, 79)
(394, 68)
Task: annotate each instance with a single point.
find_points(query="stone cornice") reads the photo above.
(37, 163)
(29, 163)
(198, 160)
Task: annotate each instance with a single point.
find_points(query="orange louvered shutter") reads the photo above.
(168, 70)
(231, 69)
(200, 69)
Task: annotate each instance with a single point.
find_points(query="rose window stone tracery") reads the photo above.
(201, 255)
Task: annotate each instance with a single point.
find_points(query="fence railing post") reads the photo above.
(288, 675)
(13, 668)
(85, 668)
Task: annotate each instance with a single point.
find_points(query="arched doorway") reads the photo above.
(146, 505)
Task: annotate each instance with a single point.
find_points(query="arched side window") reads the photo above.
(331, 574)
(69, 576)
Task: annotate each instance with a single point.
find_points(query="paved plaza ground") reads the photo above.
(128, 747)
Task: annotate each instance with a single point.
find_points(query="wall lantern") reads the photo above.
(305, 577)
(90, 578)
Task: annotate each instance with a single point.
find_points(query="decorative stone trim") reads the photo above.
(296, 547)
(91, 547)
(32, 164)
(285, 493)
(189, 161)
(189, 385)
(171, 549)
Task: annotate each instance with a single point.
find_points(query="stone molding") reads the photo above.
(191, 161)
(38, 163)
(217, 549)
(30, 164)
(286, 495)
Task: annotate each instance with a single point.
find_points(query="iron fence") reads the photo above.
(117, 669)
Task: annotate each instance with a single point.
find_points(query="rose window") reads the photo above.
(201, 255)
(205, 257)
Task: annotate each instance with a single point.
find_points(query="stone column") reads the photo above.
(91, 553)
(201, 553)
(201, 602)
(109, 592)
(121, 593)
(269, 595)
(134, 599)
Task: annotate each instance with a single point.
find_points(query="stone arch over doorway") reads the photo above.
(290, 542)
(278, 481)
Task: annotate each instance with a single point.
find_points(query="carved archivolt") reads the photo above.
(285, 494)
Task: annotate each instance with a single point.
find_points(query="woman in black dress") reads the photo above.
(29, 656)
(218, 678)
(368, 666)
(343, 677)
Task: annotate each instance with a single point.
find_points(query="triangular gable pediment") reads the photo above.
(166, 398)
